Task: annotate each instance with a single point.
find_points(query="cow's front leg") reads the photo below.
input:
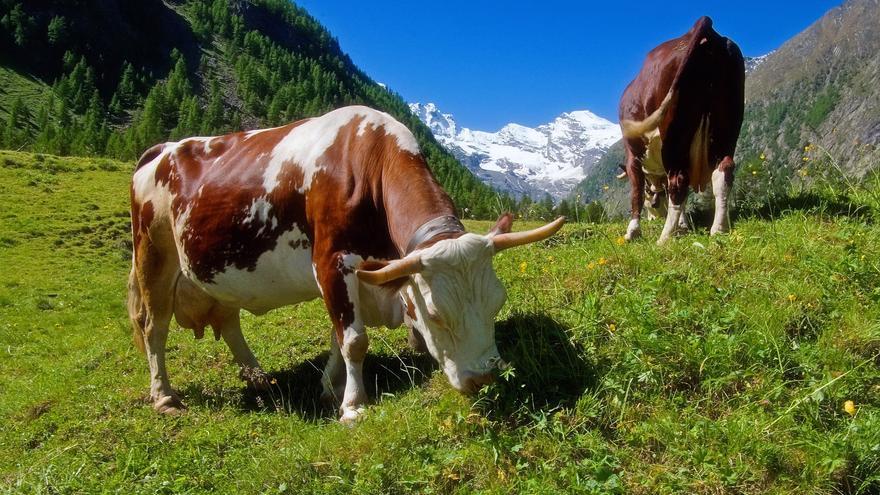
(339, 284)
(722, 180)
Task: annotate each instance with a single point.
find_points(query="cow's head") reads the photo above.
(453, 295)
(655, 198)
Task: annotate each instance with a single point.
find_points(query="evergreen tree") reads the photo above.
(18, 24)
(57, 31)
(213, 118)
(126, 88)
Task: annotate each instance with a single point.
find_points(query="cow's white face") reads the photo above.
(655, 200)
(455, 298)
(454, 295)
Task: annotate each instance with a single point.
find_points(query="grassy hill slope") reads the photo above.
(706, 366)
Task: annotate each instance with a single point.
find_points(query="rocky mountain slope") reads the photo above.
(812, 105)
(549, 159)
(819, 91)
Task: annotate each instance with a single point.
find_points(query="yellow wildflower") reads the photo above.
(591, 265)
(522, 267)
(605, 187)
(550, 259)
(806, 158)
(621, 241)
(804, 172)
(603, 261)
(754, 172)
(792, 298)
(612, 327)
(849, 407)
(763, 157)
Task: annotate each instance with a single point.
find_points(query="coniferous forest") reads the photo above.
(116, 77)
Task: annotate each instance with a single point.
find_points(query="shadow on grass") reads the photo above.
(298, 390)
(806, 201)
(810, 202)
(549, 371)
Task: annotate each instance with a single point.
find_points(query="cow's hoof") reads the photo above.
(719, 229)
(169, 405)
(350, 415)
(256, 378)
(331, 399)
(633, 235)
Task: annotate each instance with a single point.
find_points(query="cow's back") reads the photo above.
(245, 209)
(240, 244)
(686, 104)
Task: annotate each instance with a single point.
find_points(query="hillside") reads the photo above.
(818, 91)
(705, 366)
(112, 77)
(812, 113)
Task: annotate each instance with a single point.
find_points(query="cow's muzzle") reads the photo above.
(473, 381)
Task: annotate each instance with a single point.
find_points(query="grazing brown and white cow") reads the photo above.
(680, 119)
(342, 207)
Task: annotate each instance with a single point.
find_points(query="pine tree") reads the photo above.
(126, 88)
(57, 31)
(213, 118)
(188, 122)
(19, 24)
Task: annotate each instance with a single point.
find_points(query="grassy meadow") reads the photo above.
(710, 365)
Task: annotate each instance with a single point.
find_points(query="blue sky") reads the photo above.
(493, 62)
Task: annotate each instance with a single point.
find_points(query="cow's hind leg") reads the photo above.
(195, 309)
(228, 323)
(637, 194)
(155, 275)
(722, 181)
(678, 190)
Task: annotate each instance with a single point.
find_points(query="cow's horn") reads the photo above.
(513, 239)
(392, 271)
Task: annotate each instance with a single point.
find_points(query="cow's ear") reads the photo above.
(503, 225)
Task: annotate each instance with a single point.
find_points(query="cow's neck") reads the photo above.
(413, 198)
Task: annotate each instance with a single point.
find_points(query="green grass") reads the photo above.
(32, 92)
(706, 366)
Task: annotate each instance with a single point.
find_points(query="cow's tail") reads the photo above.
(150, 155)
(136, 310)
(701, 34)
(633, 129)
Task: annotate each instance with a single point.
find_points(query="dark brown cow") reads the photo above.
(680, 119)
(341, 207)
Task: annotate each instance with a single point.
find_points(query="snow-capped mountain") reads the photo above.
(551, 158)
(752, 63)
